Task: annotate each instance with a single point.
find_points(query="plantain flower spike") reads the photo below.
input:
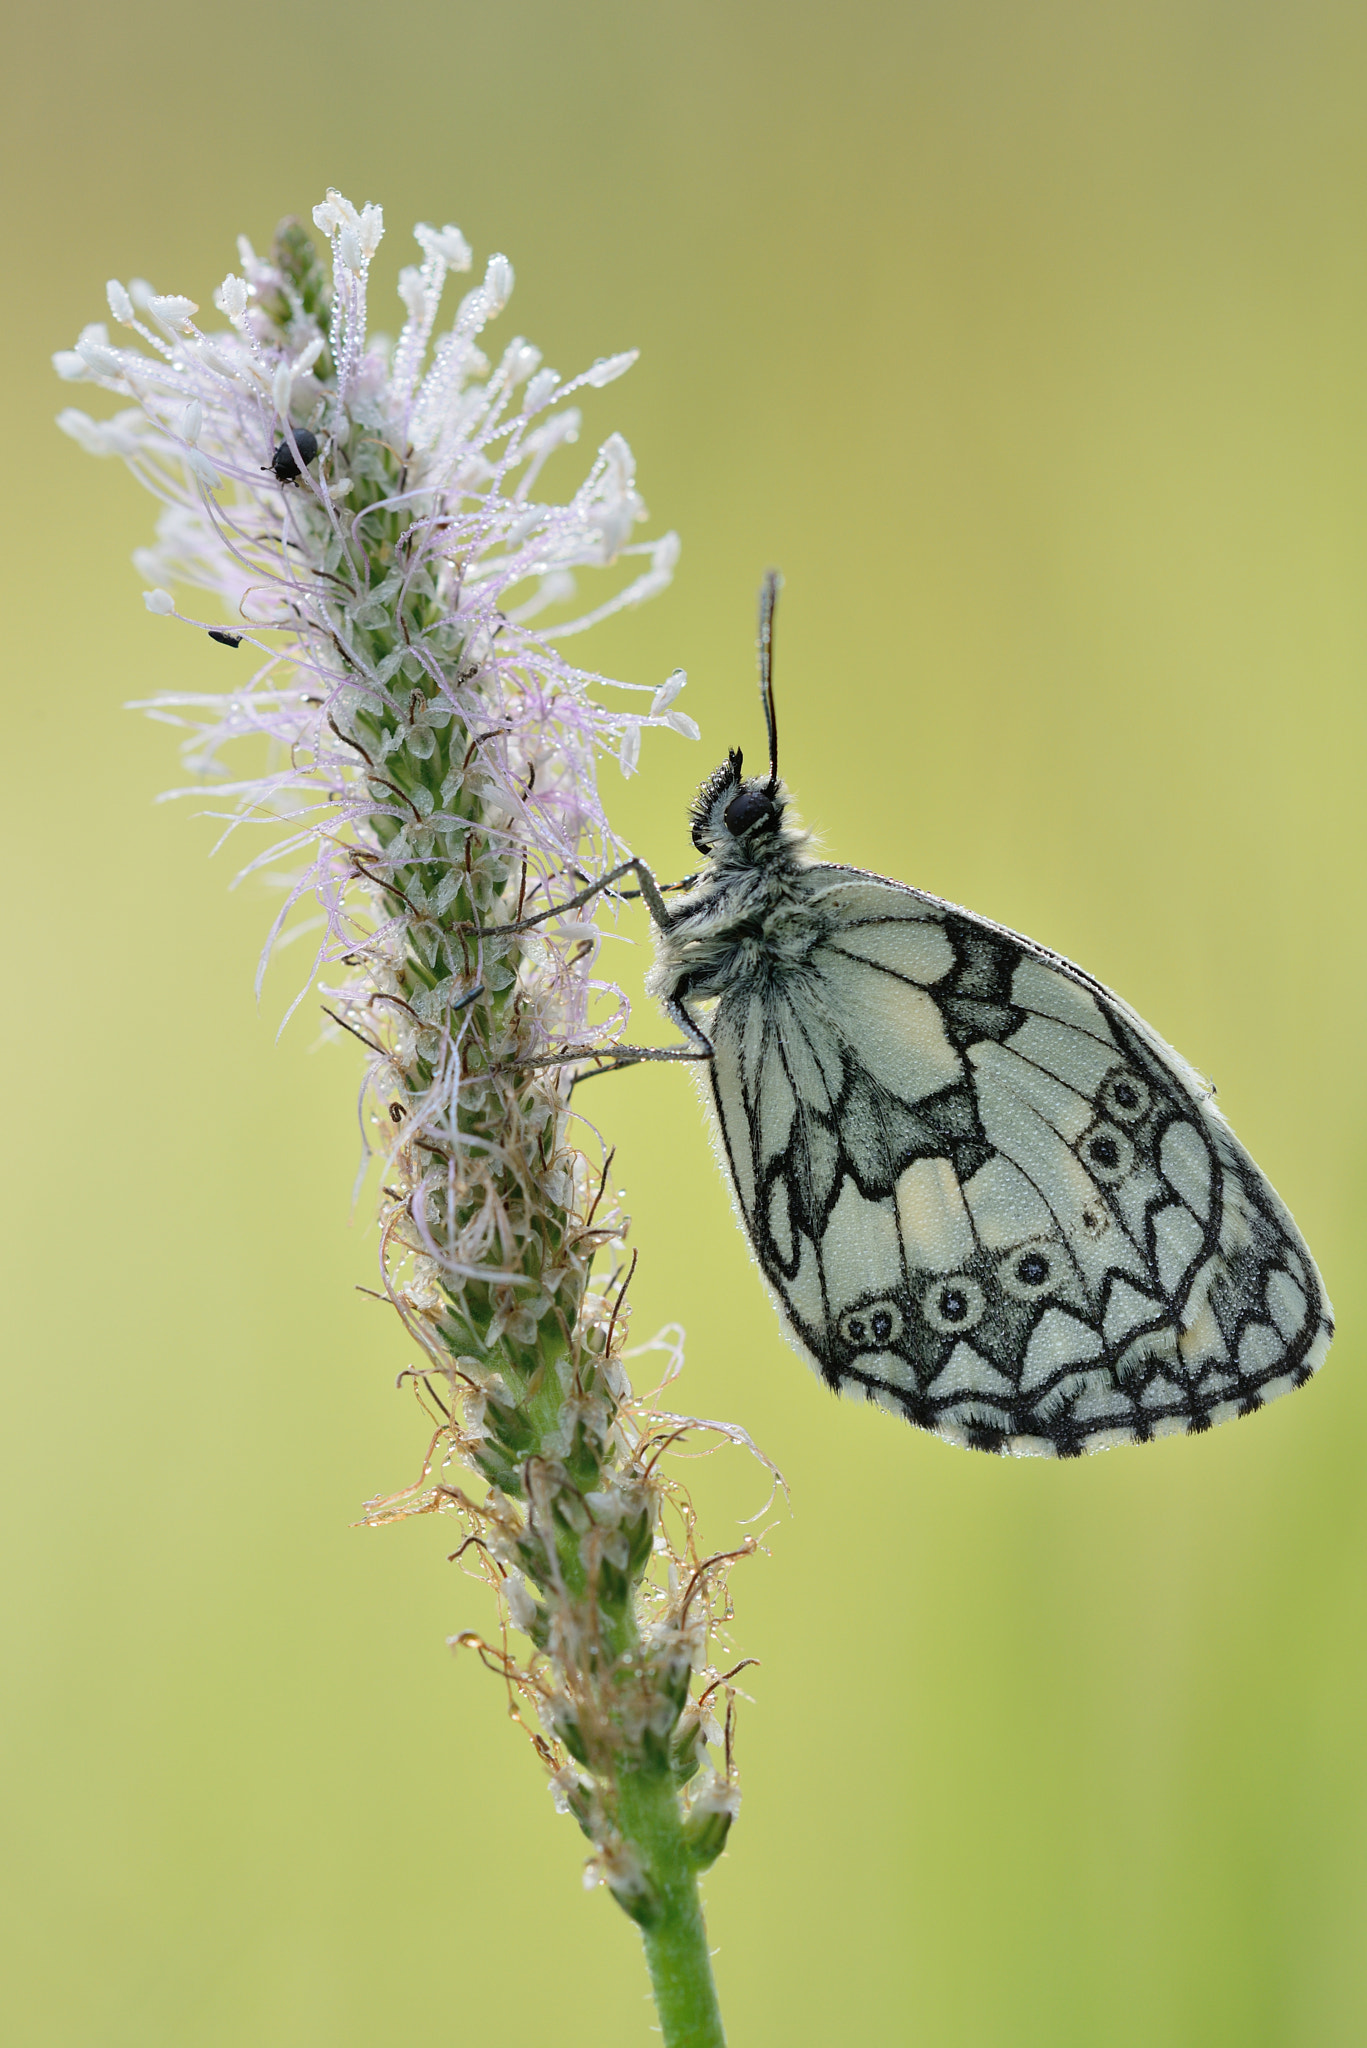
(368, 522)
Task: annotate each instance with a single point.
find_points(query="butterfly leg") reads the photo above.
(649, 889)
(698, 1047)
(607, 1059)
(634, 895)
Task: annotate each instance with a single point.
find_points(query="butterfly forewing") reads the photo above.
(987, 1194)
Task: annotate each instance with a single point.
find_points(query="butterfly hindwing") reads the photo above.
(990, 1197)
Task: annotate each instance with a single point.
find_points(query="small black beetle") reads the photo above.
(225, 639)
(283, 464)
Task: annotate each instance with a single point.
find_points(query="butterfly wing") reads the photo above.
(988, 1195)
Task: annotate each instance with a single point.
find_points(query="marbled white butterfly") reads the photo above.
(985, 1193)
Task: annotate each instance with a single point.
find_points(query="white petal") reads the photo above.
(608, 368)
(191, 420)
(540, 389)
(232, 298)
(71, 368)
(173, 310)
(621, 463)
(89, 433)
(498, 285)
(473, 311)
(343, 213)
(371, 230)
(99, 358)
(519, 360)
(447, 243)
(159, 601)
(689, 727)
(668, 691)
(120, 305)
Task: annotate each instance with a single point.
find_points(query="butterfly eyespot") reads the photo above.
(873, 1327)
(1107, 1154)
(1126, 1098)
(1029, 1271)
(953, 1305)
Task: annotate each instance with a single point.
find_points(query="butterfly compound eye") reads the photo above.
(747, 810)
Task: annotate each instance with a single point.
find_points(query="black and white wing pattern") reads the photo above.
(988, 1196)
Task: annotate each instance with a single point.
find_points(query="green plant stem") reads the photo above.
(672, 1926)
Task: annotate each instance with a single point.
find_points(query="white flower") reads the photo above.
(380, 516)
(372, 522)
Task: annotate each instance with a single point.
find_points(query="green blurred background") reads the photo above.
(1030, 341)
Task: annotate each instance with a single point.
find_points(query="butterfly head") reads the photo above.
(738, 818)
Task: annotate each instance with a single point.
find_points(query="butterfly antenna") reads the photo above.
(768, 598)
